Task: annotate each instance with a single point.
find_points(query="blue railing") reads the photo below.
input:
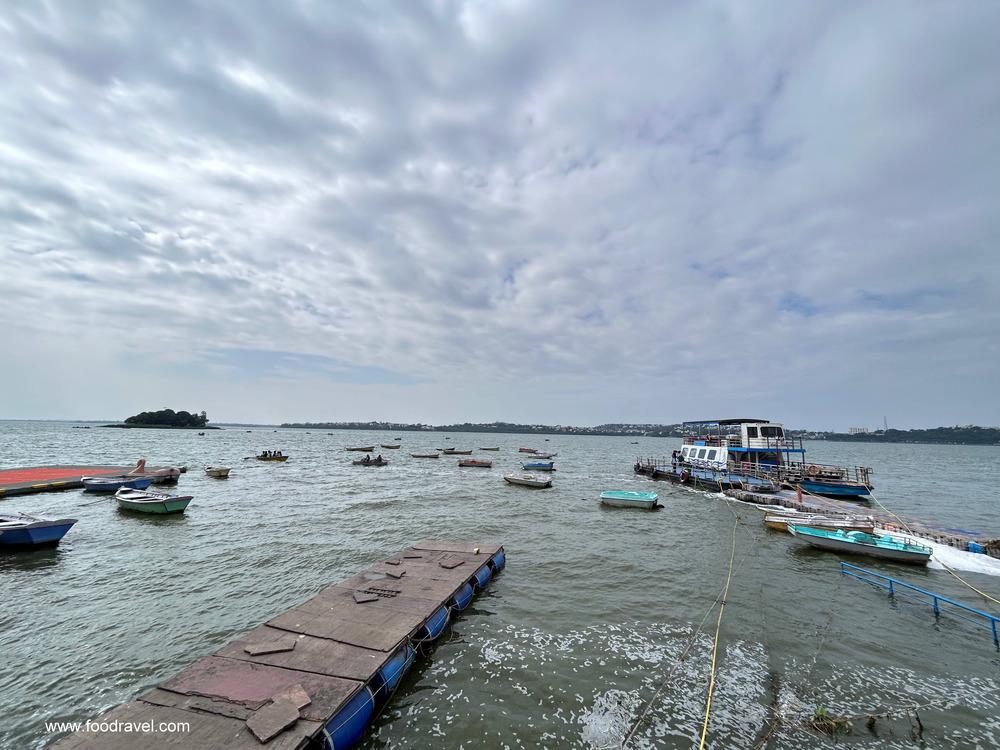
(894, 585)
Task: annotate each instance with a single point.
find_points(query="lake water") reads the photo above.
(582, 631)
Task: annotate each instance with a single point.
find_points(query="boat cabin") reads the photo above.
(754, 441)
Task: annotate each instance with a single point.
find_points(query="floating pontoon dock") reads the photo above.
(32, 479)
(313, 677)
(963, 539)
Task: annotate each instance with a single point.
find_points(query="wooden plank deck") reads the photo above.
(28, 480)
(290, 678)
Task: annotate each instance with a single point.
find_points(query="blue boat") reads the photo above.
(539, 466)
(113, 484)
(625, 499)
(860, 543)
(21, 530)
(749, 450)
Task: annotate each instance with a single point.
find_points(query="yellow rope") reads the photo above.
(715, 644)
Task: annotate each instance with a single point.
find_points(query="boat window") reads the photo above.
(751, 432)
(770, 431)
(711, 454)
(684, 451)
(701, 453)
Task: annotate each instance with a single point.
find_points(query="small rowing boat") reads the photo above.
(527, 450)
(23, 530)
(390, 446)
(369, 461)
(625, 499)
(218, 472)
(158, 503)
(539, 466)
(113, 484)
(780, 521)
(544, 455)
(363, 449)
(423, 455)
(860, 543)
(456, 452)
(490, 449)
(480, 463)
(528, 480)
(158, 476)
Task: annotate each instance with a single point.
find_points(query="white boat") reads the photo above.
(158, 503)
(528, 480)
(626, 499)
(423, 455)
(780, 521)
(218, 472)
(159, 476)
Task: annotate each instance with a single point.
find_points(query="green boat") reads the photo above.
(625, 499)
(860, 543)
(158, 503)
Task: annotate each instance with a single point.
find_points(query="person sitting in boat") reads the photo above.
(367, 459)
(379, 459)
(263, 454)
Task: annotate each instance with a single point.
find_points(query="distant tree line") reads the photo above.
(168, 418)
(967, 435)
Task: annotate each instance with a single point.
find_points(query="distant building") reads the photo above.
(857, 430)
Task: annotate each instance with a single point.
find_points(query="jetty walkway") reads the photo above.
(31, 479)
(314, 676)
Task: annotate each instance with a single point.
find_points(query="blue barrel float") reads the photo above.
(482, 576)
(498, 561)
(434, 625)
(388, 677)
(462, 597)
(349, 723)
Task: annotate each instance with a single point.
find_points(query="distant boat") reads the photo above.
(624, 499)
(218, 472)
(481, 463)
(158, 503)
(490, 449)
(21, 530)
(369, 461)
(390, 446)
(364, 449)
(539, 466)
(527, 450)
(397, 438)
(113, 484)
(528, 480)
(202, 434)
(159, 476)
(424, 455)
(860, 543)
(544, 455)
(456, 452)
(271, 458)
(780, 521)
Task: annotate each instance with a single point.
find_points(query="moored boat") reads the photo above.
(390, 446)
(113, 484)
(539, 466)
(860, 543)
(481, 463)
(456, 452)
(158, 503)
(158, 476)
(543, 456)
(21, 530)
(780, 521)
(528, 480)
(424, 455)
(527, 450)
(626, 499)
(218, 472)
(490, 449)
(363, 449)
(369, 461)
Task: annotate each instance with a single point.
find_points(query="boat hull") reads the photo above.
(835, 489)
(622, 503)
(533, 483)
(854, 548)
(36, 534)
(272, 458)
(779, 522)
(156, 507)
(423, 455)
(539, 467)
(218, 473)
(113, 485)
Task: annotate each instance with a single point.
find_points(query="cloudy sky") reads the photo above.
(552, 212)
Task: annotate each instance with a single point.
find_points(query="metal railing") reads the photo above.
(894, 585)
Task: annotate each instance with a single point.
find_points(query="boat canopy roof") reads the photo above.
(729, 421)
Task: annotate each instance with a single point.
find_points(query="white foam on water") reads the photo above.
(954, 558)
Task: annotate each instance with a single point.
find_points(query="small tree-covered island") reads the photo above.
(167, 419)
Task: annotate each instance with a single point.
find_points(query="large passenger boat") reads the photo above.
(748, 451)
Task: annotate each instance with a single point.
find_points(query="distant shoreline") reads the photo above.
(156, 427)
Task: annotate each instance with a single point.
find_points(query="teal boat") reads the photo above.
(624, 499)
(152, 502)
(860, 543)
